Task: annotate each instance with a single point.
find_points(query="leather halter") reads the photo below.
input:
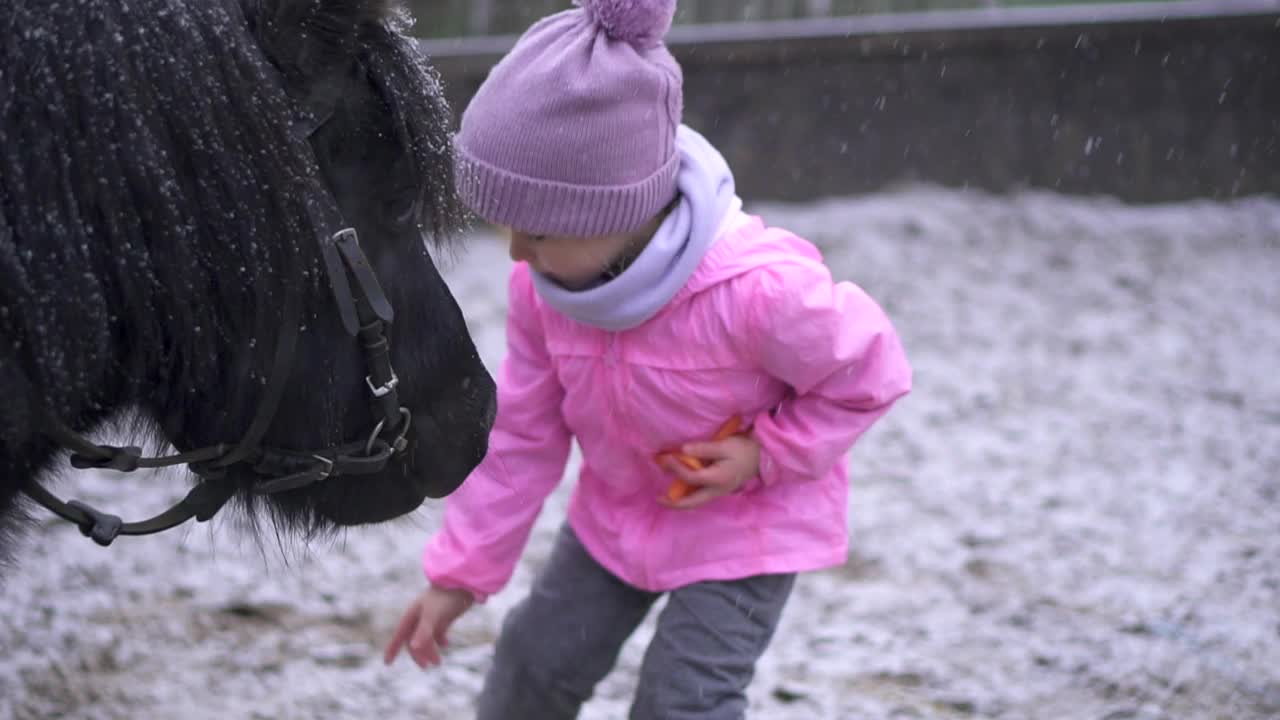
(365, 313)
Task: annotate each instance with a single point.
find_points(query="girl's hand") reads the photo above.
(730, 463)
(425, 624)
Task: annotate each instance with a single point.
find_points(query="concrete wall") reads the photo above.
(1148, 102)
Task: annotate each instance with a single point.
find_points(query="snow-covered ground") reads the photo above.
(1076, 514)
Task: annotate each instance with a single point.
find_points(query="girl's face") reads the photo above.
(574, 263)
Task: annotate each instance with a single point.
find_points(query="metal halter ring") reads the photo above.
(397, 444)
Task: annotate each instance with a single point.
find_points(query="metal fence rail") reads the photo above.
(457, 18)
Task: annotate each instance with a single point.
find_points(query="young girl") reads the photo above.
(647, 311)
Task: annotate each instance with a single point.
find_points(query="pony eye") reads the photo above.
(401, 208)
(538, 238)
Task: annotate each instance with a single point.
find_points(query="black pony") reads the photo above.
(172, 176)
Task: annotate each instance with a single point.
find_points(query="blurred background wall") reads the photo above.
(1145, 101)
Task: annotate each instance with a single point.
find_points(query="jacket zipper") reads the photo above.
(616, 377)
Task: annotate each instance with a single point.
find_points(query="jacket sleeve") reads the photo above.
(835, 349)
(487, 521)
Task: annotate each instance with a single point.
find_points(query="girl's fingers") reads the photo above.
(719, 476)
(441, 634)
(712, 451)
(403, 631)
(424, 650)
(723, 461)
(425, 655)
(678, 469)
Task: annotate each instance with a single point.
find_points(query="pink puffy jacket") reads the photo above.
(760, 331)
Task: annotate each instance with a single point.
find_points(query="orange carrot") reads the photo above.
(679, 488)
(728, 430)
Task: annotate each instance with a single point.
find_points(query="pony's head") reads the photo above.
(174, 174)
(373, 113)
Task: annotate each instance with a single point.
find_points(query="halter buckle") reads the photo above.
(313, 474)
(326, 467)
(382, 390)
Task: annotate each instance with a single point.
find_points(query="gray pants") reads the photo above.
(561, 640)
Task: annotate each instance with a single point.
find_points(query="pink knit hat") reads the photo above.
(573, 132)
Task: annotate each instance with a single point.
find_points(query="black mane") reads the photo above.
(147, 176)
(157, 192)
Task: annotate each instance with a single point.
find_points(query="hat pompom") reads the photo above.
(642, 23)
